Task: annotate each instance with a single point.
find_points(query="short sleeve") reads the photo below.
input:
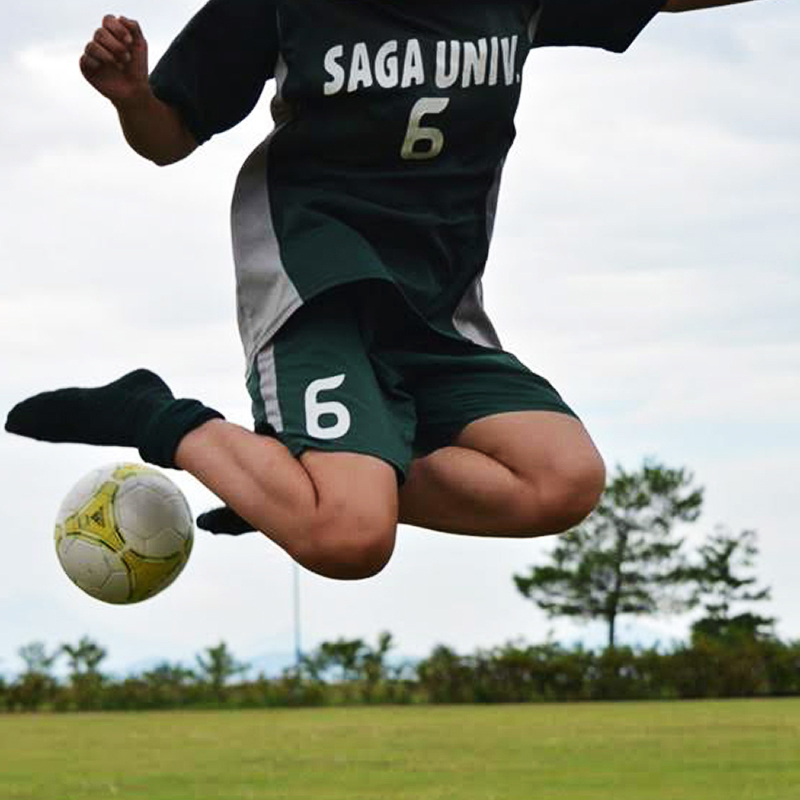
(608, 24)
(215, 70)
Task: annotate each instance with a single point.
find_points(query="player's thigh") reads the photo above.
(537, 445)
(561, 474)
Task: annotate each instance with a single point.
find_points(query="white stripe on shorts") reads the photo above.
(268, 387)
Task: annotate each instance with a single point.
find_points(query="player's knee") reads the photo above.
(349, 544)
(572, 492)
(564, 496)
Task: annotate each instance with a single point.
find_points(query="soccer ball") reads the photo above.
(123, 533)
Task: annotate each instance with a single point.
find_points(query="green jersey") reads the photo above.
(393, 119)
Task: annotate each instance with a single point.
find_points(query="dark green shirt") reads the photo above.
(393, 119)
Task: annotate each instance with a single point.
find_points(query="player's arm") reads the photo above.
(115, 63)
(692, 5)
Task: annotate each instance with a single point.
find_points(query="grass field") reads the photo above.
(667, 751)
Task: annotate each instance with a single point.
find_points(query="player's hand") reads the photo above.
(115, 60)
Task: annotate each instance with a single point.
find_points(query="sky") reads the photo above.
(646, 260)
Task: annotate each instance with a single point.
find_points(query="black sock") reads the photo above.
(138, 410)
(224, 520)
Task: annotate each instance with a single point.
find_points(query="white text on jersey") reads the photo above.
(487, 61)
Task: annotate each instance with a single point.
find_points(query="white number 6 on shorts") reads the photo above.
(316, 409)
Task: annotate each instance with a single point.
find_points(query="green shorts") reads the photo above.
(356, 371)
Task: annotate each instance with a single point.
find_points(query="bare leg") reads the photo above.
(335, 513)
(518, 474)
(522, 474)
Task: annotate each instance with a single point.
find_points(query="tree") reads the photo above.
(84, 657)
(36, 684)
(36, 659)
(217, 667)
(626, 557)
(353, 662)
(168, 675)
(345, 660)
(339, 660)
(85, 677)
(722, 579)
(168, 685)
(373, 660)
(446, 676)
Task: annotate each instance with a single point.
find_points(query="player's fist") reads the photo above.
(115, 60)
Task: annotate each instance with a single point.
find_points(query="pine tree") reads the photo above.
(626, 558)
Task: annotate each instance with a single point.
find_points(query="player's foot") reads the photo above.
(224, 520)
(137, 410)
(103, 415)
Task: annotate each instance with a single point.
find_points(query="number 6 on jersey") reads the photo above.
(432, 137)
(316, 409)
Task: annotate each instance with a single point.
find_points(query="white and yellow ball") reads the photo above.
(124, 533)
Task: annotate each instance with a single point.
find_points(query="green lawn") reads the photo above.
(667, 751)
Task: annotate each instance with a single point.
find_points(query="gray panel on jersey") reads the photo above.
(470, 318)
(265, 294)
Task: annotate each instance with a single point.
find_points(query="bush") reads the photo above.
(708, 667)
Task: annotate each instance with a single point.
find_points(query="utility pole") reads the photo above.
(298, 650)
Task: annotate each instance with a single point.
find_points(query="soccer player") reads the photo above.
(361, 227)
